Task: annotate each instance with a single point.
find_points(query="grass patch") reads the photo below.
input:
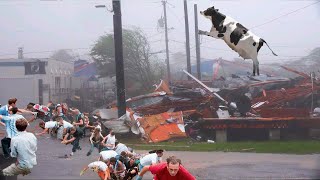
(285, 147)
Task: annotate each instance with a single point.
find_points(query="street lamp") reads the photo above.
(117, 28)
(100, 6)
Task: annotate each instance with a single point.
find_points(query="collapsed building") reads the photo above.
(237, 108)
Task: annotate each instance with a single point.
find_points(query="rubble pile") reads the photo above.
(175, 111)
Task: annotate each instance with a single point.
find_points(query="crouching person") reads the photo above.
(23, 147)
(99, 167)
(73, 136)
(132, 168)
(118, 169)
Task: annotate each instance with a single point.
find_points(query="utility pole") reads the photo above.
(117, 28)
(164, 2)
(196, 34)
(187, 37)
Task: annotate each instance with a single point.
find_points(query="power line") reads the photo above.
(179, 19)
(159, 40)
(156, 34)
(41, 52)
(285, 15)
(228, 50)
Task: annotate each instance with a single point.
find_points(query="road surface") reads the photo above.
(203, 165)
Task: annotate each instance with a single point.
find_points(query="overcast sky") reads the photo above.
(291, 28)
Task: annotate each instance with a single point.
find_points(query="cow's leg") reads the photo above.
(258, 73)
(255, 67)
(204, 33)
(211, 34)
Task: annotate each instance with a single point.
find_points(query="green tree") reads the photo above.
(141, 68)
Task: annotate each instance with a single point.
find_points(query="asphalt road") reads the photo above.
(203, 165)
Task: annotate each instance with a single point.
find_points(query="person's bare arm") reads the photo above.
(65, 138)
(32, 118)
(103, 141)
(91, 137)
(79, 123)
(68, 141)
(43, 132)
(25, 111)
(120, 164)
(84, 170)
(49, 104)
(108, 145)
(2, 123)
(144, 170)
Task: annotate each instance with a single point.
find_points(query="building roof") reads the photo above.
(84, 69)
(19, 62)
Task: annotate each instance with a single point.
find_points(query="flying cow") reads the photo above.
(235, 35)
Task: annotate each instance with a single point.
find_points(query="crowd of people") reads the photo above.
(69, 125)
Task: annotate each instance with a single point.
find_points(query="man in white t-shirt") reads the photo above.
(63, 127)
(109, 141)
(99, 167)
(150, 159)
(106, 155)
(46, 126)
(53, 124)
(119, 147)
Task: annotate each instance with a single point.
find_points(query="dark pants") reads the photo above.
(5, 143)
(76, 144)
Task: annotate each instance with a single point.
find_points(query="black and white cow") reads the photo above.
(235, 35)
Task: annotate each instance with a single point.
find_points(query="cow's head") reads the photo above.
(210, 13)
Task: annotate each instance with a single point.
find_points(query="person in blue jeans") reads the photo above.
(95, 140)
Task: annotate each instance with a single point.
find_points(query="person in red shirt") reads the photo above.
(172, 170)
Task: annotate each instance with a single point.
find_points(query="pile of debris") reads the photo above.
(168, 112)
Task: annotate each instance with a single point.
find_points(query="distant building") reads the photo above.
(37, 80)
(212, 69)
(93, 89)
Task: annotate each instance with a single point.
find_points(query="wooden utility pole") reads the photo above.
(196, 34)
(117, 27)
(187, 37)
(164, 2)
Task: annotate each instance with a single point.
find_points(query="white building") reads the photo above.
(26, 80)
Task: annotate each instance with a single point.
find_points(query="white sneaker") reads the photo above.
(71, 154)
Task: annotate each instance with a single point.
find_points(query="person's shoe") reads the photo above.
(6, 156)
(79, 148)
(66, 156)
(71, 154)
(89, 153)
